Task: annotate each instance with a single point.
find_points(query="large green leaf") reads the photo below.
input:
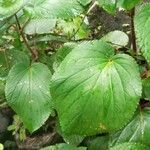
(63, 146)
(27, 92)
(137, 130)
(95, 90)
(9, 7)
(130, 146)
(53, 8)
(142, 28)
(112, 5)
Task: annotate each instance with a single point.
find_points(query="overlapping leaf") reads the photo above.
(142, 28)
(27, 92)
(137, 130)
(10, 7)
(54, 8)
(85, 93)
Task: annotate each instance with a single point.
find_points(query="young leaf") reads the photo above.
(146, 88)
(137, 130)
(130, 146)
(142, 28)
(9, 7)
(85, 93)
(63, 146)
(64, 9)
(27, 92)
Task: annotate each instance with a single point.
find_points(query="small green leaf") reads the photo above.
(39, 26)
(146, 88)
(130, 146)
(63, 146)
(116, 38)
(9, 7)
(27, 92)
(84, 89)
(111, 5)
(137, 130)
(142, 28)
(108, 5)
(127, 4)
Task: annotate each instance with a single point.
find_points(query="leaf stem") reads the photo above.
(34, 54)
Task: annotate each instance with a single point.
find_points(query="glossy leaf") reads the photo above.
(137, 130)
(27, 92)
(53, 8)
(142, 24)
(130, 146)
(85, 93)
(9, 7)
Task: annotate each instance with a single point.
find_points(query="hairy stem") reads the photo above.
(34, 54)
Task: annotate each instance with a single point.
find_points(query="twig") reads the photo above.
(33, 53)
(133, 37)
(88, 11)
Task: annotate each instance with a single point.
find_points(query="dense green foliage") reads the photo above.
(94, 88)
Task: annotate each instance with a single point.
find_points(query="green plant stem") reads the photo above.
(34, 54)
(133, 37)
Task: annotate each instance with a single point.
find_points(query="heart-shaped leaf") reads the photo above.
(95, 90)
(27, 92)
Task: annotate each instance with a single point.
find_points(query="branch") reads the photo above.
(133, 37)
(34, 54)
